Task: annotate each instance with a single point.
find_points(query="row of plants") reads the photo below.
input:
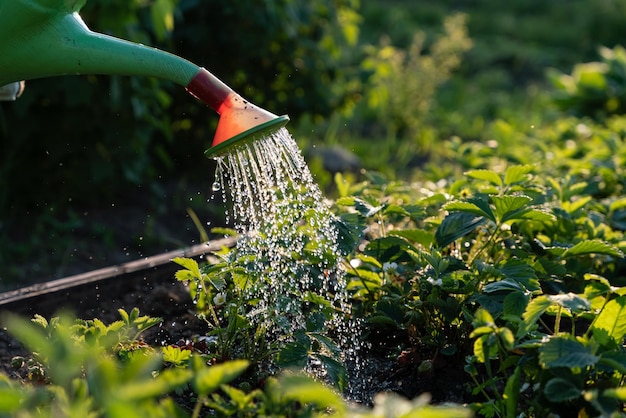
(511, 270)
(85, 368)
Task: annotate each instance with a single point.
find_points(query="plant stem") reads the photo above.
(197, 407)
(485, 245)
(557, 321)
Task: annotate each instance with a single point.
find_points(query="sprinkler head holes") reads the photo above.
(252, 134)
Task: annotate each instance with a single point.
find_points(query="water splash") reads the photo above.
(290, 236)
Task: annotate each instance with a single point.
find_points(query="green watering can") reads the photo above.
(44, 38)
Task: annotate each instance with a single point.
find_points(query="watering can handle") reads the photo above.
(11, 91)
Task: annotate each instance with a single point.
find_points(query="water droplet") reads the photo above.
(216, 187)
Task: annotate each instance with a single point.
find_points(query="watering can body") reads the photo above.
(43, 38)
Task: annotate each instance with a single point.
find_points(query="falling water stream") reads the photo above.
(290, 234)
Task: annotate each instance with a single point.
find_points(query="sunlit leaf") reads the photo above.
(506, 337)
(617, 204)
(536, 307)
(592, 247)
(610, 325)
(307, 391)
(470, 207)
(207, 379)
(510, 207)
(11, 399)
(571, 301)
(576, 204)
(190, 264)
(420, 236)
(517, 174)
(487, 175)
(537, 215)
(162, 15)
(617, 393)
(485, 348)
(167, 381)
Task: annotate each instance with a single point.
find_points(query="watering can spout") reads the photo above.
(43, 38)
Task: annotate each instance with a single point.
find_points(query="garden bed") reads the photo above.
(149, 285)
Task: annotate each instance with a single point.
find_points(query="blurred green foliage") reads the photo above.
(594, 89)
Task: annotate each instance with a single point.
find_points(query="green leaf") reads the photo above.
(571, 301)
(420, 236)
(576, 204)
(561, 390)
(617, 204)
(564, 351)
(616, 393)
(515, 304)
(537, 215)
(482, 317)
(469, 207)
(207, 379)
(536, 307)
(517, 174)
(512, 392)
(175, 355)
(592, 247)
(522, 272)
(366, 209)
(307, 391)
(224, 231)
(610, 324)
(485, 347)
(388, 248)
(293, 355)
(335, 370)
(343, 187)
(11, 399)
(487, 175)
(503, 285)
(162, 15)
(506, 337)
(396, 210)
(614, 361)
(184, 275)
(327, 343)
(350, 227)
(167, 381)
(190, 264)
(510, 207)
(456, 225)
(345, 201)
